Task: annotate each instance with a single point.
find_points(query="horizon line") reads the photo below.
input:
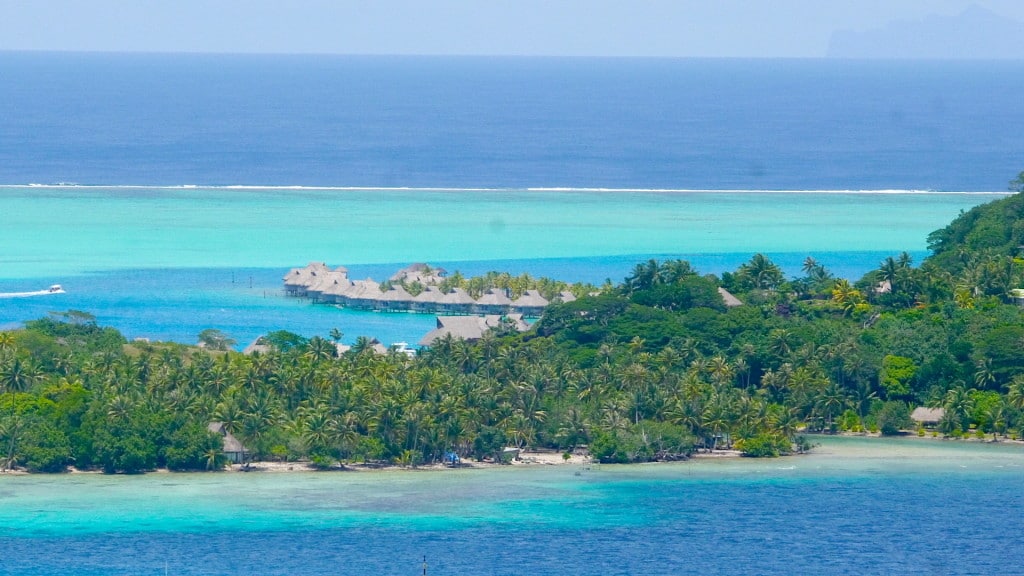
(594, 189)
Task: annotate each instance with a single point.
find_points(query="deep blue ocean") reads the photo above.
(114, 119)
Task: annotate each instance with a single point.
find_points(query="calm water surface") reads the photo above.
(854, 506)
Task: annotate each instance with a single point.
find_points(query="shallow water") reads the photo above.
(854, 505)
(167, 263)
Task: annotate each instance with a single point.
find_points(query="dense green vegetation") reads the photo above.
(654, 368)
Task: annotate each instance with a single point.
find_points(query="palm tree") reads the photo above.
(830, 403)
(889, 271)
(983, 375)
(1015, 392)
(18, 375)
(762, 272)
(319, 350)
(958, 404)
(810, 264)
(846, 296)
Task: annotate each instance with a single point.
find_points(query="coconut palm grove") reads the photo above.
(655, 368)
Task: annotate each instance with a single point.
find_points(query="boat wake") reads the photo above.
(55, 289)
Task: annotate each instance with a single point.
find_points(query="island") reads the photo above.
(658, 367)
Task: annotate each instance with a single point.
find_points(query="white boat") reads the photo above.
(55, 289)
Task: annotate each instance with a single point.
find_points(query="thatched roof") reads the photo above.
(530, 299)
(729, 299)
(340, 287)
(231, 444)
(924, 415)
(303, 276)
(457, 296)
(324, 282)
(566, 296)
(257, 345)
(516, 320)
(494, 297)
(397, 294)
(420, 272)
(471, 328)
(430, 295)
(365, 290)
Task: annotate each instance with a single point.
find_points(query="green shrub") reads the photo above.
(45, 449)
(764, 445)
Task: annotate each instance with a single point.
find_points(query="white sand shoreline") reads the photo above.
(861, 445)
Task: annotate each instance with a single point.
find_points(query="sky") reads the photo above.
(659, 28)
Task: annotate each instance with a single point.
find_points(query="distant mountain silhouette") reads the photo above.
(975, 33)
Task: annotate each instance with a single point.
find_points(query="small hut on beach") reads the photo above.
(233, 449)
(927, 417)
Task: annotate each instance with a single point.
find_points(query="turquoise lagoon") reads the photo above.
(855, 505)
(166, 263)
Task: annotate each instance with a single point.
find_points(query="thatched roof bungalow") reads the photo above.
(428, 300)
(565, 297)
(494, 301)
(338, 292)
(325, 283)
(297, 280)
(420, 272)
(531, 303)
(396, 299)
(232, 447)
(471, 328)
(458, 301)
(927, 417)
(322, 284)
(365, 294)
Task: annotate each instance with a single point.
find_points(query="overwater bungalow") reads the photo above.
(429, 300)
(365, 295)
(298, 280)
(396, 299)
(325, 283)
(531, 303)
(494, 301)
(458, 301)
(420, 272)
(321, 284)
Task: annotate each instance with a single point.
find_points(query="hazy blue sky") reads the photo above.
(741, 28)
